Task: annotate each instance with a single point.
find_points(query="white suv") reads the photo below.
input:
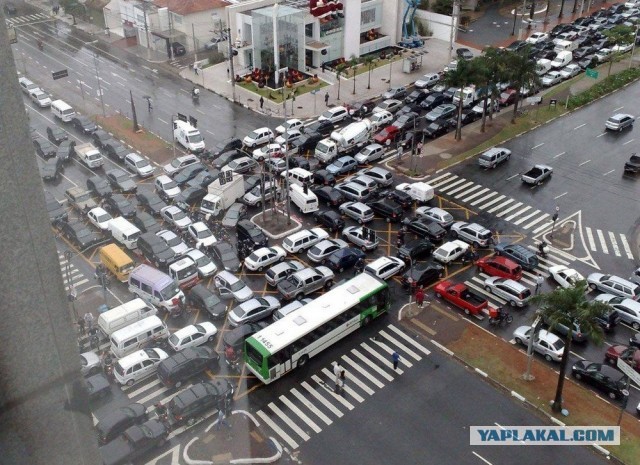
(302, 240)
(258, 137)
(473, 233)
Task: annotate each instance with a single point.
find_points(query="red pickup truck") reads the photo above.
(460, 296)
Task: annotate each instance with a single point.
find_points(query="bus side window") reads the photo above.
(277, 359)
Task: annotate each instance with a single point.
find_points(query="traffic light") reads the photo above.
(229, 175)
(365, 232)
(182, 117)
(372, 235)
(305, 188)
(222, 178)
(193, 122)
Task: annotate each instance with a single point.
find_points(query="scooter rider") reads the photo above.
(195, 93)
(542, 248)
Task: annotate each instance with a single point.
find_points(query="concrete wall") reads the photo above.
(439, 25)
(392, 18)
(352, 10)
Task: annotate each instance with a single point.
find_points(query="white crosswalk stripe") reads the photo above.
(304, 401)
(410, 340)
(520, 212)
(71, 276)
(288, 421)
(300, 414)
(483, 198)
(25, 19)
(625, 246)
(468, 191)
(452, 185)
(353, 365)
(399, 344)
(511, 208)
(500, 206)
(614, 244)
(473, 196)
(491, 202)
(603, 243)
(536, 221)
(263, 416)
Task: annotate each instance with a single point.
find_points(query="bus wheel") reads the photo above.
(367, 320)
(303, 360)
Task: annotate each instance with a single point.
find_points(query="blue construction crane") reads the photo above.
(410, 38)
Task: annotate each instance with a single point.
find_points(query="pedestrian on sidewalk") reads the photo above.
(419, 148)
(395, 358)
(261, 102)
(420, 297)
(539, 282)
(195, 69)
(326, 99)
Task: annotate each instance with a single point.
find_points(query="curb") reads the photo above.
(276, 236)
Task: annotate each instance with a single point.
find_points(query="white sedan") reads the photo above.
(263, 257)
(99, 218)
(570, 71)
(449, 251)
(288, 125)
(193, 335)
(385, 267)
(201, 235)
(551, 78)
(566, 277)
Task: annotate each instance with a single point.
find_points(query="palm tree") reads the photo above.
(561, 9)
(482, 78)
(340, 69)
(369, 61)
(353, 64)
(569, 307)
(459, 77)
(619, 35)
(522, 72)
(496, 63)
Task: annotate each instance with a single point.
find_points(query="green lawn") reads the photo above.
(276, 95)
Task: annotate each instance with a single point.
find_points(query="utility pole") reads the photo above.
(233, 74)
(527, 376)
(554, 218)
(286, 156)
(95, 62)
(146, 29)
(455, 14)
(195, 48)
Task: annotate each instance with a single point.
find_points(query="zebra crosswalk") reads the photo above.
(72, 276)
(524, 216)
(28, 19)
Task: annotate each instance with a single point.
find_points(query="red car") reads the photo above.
(500, 266)
(630, 354)
(461, 296)
(387, 135)
(507, 97)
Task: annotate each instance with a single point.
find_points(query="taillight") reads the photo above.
(175, 301)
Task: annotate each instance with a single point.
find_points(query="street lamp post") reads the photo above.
(286, 157)
(101, 275)
(555, 218)
(527, 376)
(173, 136)
(95, 62)
(68, 254)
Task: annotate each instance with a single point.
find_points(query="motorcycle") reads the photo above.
(502, 319)
(543, 248)
(195, 95)
(232, 359)
(40, 45)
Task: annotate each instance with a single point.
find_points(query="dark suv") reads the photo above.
(248, 231)
(388, 209)
(415, 250)
(155, 250)
(189, 362)
(200, 398)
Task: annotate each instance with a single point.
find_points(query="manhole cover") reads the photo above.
(446, 156)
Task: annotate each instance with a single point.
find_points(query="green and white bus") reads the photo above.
(292, 340)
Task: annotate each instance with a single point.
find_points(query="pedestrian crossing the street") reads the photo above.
(524, 216)
(71, 276)
(28, 19)
(313, 405)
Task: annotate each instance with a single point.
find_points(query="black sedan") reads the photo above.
(330, 196)
(121, 181)
(136, 441)
(406, 121)
(44, 148)
(388, 209)
(601, 376)
(415, 250)
(226, 145)
(99, 186)
(343, 259)
(409, 108)
(416, 96)
(224, 158)
(438, 128)
(83, 124)
(116, 150)
(432, 101)
(51, 169)
(150, 201)
(411, 138)
(187, 174)
(146, 223)
(97, 386)
(299, 162)
(422, 274)
(65, 150)
(201, 297)
(330, 219)
(426, 228)
(226, 255)
(117, 421)
(56, 134)
(118, 205)
(54, 209)
(204, 178)
(323, 127)
(401, 198)
(189, 196)
(324, 178)
(79, 233)
(101, 138)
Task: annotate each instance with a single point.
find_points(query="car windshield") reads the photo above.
(237, 286)
(204, 233)
(102, 218)
(170, 185)
(233, 214)
(179, 215)
(173, 241)
(327, 114)
(176, 163)
(169, 292)
(203, 260)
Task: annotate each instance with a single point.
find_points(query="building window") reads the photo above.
(177, 19)
(308, 30)
(368, 16)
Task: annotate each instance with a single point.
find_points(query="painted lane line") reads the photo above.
(547, 225)
(404, 348)
(371, 365)
(477, 194)
(525, 218)
(536, 146)
(561, 195)
(514, 176)
(497, 199)
(322, 399)
(485, 197)
(276, 428)
(584, 162)
(601, 134)
(275, 409)
(512, 207)
(592, 242)
(501, 205)
(608, 172)
(459, 188)
(362, 371)
(209, 132)
(536, 221)
(581, 126)
(614, 244)
(446, 188)
(304, 401)
(559, 155)
(339, 398)
(410, 340)
(303, 416)
(628, 142)
(603, 243)
(625, 246)
(162, 121)
(619, 108)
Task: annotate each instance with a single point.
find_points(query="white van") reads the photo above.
(306, 202)
(62, 110)
(124, 232)
(157, 288)
(138, 365)
(565, 46)
(119, 317)
(133, 337)
(561, 60)
(543, 66)
(188, 136)
(299, 176)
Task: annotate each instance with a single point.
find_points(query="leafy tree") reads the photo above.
(73, 8)
(353, 65)
(444, 7)
(460, 78)
(340, 70)
(619, 35)
(568, 307)
(522, 72)
(369, 61)
(495, 60)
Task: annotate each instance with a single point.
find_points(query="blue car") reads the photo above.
(342, 165)
(343, 259)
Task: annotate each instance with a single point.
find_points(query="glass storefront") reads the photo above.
(289, 42)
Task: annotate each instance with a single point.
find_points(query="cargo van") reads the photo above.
(124, 232)
(120, 317)
(117, 262)
(306, 202)
(157, 288)
(133, 337)
(562, 59)
(299, 176)
(62, 110)
(565, 46)
(184, 272)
